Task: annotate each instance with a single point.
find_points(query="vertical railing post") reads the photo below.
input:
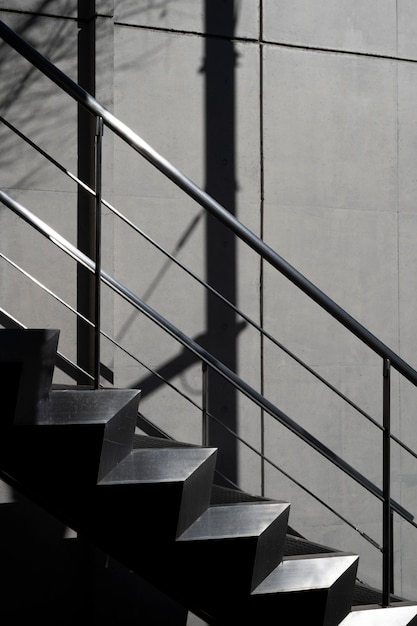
(387, 511)
(205, 425)
(392, 552)
(97, 301)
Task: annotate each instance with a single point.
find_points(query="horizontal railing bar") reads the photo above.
(158, 432)
(403, 446)
(142, 421)
(155, 431)
(205, 200)
(295, 481)
(102, 332)
(196, 349)
(152, 371)
(226, 479)
(251, 393)
(172, 258)
(48, 157)
(151, 429)
(47, 290)
(243, 315)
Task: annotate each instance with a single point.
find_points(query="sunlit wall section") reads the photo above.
(31, 105)
(338, 136)
(187, 81)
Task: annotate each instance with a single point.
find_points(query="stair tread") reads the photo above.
(295, 544)
(403, 614)
(230, 521)
(87, 406)
(306, 573)
(364, 594)
(153, 465)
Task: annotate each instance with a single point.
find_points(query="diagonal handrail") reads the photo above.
(206, 201)
(170, 256)
(154, 430)
(211, 205)
(116, 286)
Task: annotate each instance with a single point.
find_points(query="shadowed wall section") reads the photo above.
(220, 243)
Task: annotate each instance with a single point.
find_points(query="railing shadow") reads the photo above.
(221, 267)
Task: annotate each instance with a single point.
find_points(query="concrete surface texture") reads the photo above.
(299, 117)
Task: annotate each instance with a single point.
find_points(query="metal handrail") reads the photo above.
(390, 358)
(205, 200)
(142, 420)
(200, 352)
(171, 257)
(202, 282)
(158, 432)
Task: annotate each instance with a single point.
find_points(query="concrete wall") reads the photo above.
(339, 193)
(299, 117)
(32, 104)
(49, 118)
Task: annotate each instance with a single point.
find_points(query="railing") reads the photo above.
(389, 357)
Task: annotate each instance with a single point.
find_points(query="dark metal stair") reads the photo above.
(151, 504)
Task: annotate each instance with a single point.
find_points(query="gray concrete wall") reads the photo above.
(338, 131)
(49, 118)
(323, 144)
(32, 104)
(300, 118)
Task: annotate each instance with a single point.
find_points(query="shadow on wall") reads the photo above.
(22, 102)
(219, 68)
(222, 332)
(219, 71)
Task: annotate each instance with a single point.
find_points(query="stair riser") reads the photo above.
(270, 548)
(234, 564)
(139, 514)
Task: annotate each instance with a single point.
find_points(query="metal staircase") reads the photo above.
(152, 505)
